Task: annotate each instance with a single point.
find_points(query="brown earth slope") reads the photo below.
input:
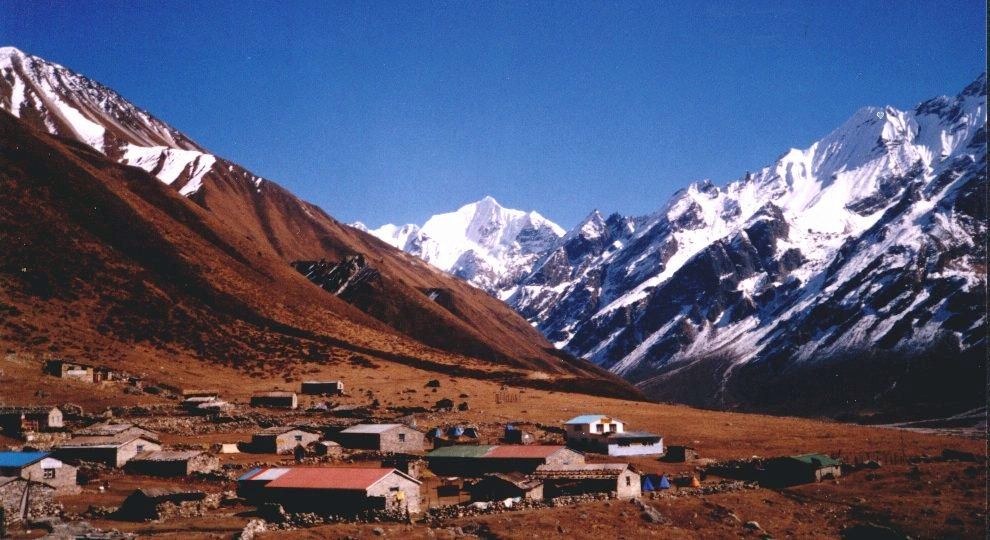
(100, 257)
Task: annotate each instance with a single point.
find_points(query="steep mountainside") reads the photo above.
(482, 243)
(849, 273)
(844, 276)
(264, 227)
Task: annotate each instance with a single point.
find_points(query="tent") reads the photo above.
(471, 432)
(647, 483)
(664, 483)
(455, 431)
(436, 433)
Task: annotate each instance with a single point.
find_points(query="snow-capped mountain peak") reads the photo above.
(870, 239)
(482, 242)
(53, 98)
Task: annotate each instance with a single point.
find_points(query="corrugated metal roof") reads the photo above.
(167, 455)
(591, 419)
(337, 478)
(270, 474)
(634, 435)
(520, 451)
(461, 451)
(371, 428)
(249, 474)
(20, 459)
(818, 460)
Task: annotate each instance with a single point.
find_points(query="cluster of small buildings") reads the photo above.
(521, 468)
(65, 369)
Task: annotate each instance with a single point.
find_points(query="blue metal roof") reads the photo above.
(587, 419)
(20, 459)
(248, 474)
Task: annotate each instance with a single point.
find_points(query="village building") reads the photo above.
(112, 428)
(69, 370)
(282, 439)
(801, 469)
(607, 435)
(39, 467)
(322, 388)
(336, 490)
(412, 465)
(22, 500)
(632, 443)
(173, 463)
(397, 438)
(516, 435)
(619, 479)
(201, 393)
(204, 405)
(680, 454)
(277, 399)
(330, 449)
(18, 421)
(500, 486)
(478, 460)
(148, 503)
(110, 444)
(250, 484)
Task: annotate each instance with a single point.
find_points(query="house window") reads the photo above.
(612, 427)
(402, 437)
(628, 481)
(140, 448)
(599, 428)
(49, 474)
(298, 438)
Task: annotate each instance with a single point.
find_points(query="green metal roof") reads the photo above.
(461, 451)
(818, 460)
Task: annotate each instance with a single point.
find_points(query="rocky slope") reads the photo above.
(253, 220)
(844, 274)
(482, 243)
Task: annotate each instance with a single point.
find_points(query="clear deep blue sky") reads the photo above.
(393, 111)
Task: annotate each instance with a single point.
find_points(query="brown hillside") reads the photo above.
(103, 256)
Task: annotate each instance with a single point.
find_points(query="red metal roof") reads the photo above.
(344, 478)
(523, 451)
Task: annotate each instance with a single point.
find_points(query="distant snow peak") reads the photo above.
(482, 242)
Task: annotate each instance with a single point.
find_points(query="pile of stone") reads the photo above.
(726, 486)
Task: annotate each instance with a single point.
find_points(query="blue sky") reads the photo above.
(393, 111)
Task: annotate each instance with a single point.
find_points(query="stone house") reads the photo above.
(113, 450)
(18, 421)
(282, 439)
(680, 454)
(148, 503)
(500, 486)
(339, 490)
(478, 460)
(39, 467)
(397, 438)
(277, 399)
(22, 499)
(620, 479)
(173, 463)
(64, 369)
(322, 388)
(801, 469)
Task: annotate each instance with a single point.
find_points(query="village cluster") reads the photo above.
(347, 461)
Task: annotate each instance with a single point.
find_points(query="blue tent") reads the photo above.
(437, 432)
(647, 484)
(664, 483)
(471, 432)
(455, 431)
